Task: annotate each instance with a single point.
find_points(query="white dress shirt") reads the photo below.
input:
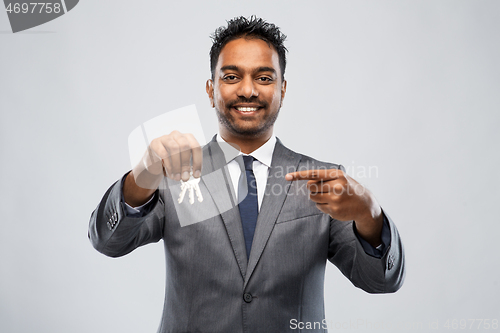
(261, 165)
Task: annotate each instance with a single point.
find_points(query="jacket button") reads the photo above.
(247, 297)
(390, 262)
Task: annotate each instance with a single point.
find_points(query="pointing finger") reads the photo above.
(321, 174)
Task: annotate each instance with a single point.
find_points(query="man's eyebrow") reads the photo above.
(229, 68)
(257, 70)
(265, 69)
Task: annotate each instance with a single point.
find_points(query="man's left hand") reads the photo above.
(340, 196)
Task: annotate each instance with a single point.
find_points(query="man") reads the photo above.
(257, 265)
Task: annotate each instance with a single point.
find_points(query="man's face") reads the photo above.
(247, 90)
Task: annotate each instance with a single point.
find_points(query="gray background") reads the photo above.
(411, 87)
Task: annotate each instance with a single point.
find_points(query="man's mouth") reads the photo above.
(246, 109)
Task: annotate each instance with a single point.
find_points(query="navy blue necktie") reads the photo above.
(249, 209)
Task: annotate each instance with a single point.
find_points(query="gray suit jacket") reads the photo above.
(210, 285)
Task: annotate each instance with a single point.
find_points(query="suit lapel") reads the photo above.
(276, 191)
(217, 181)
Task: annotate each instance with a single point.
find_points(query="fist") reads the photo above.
(175, 155)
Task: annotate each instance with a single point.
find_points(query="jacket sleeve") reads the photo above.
(115, 234)
(373, 275)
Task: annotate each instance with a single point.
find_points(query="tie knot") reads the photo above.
(248, 160)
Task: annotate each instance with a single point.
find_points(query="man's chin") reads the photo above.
(247, 131)
(251, 127)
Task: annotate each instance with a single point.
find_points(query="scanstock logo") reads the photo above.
(27, 14)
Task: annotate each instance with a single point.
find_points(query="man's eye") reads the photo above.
(230, 77)
(265, 79)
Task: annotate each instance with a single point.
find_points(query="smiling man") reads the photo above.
(249, 90)
(258, 264)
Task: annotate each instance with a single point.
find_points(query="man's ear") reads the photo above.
(210, 91)
(283, 91)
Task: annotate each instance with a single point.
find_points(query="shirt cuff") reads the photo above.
(379, 251)
(138, 211)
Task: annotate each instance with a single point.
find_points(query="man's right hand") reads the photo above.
(173, 155)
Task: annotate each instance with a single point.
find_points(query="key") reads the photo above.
(191, 194)
(194, 187)
(197, 190)
(184, 188)
(191, 186)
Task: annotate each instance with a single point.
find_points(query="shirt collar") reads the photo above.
(264, 154)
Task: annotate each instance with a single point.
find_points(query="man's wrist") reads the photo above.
(136, 195)
(370, 229)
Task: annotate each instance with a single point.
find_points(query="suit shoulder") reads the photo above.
(308, 162)
(305, 159)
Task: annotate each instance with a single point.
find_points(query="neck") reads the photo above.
(246, 144)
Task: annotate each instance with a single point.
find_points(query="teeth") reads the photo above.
(244, 109)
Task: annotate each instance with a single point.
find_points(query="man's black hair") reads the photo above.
(252, 27)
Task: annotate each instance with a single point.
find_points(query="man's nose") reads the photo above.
(247, 88)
